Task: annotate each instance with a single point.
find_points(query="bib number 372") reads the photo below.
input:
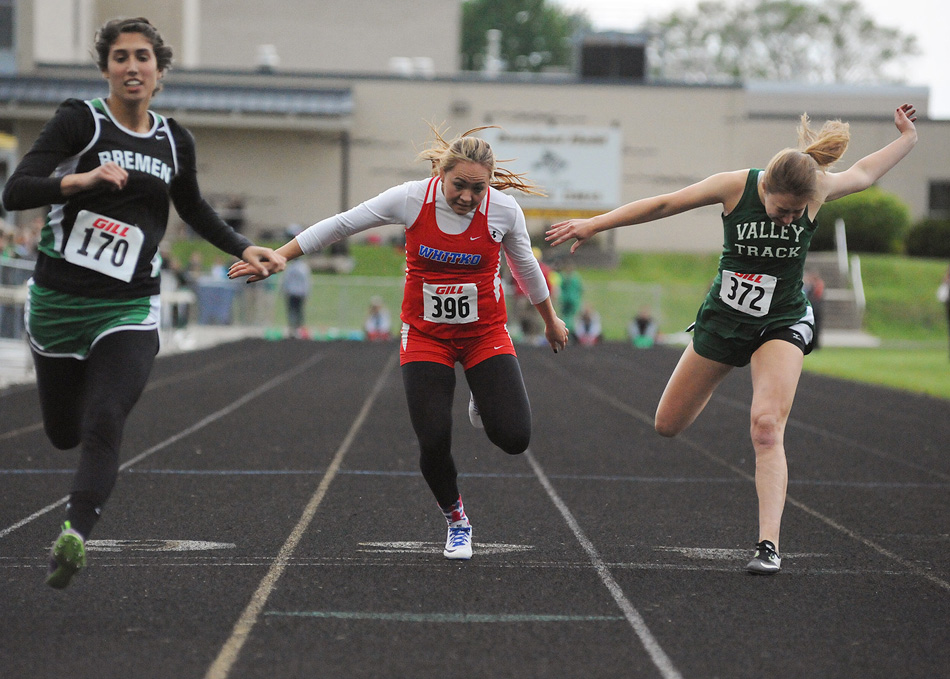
(105, 245)
(750, 293)
(450, 303)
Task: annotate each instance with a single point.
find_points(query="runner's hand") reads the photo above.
(581, 229)
(258, 264)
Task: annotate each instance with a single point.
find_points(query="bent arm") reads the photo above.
(872, 167)
(192, 206)
(38, 180)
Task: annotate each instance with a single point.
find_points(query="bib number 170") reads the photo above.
(104, 245)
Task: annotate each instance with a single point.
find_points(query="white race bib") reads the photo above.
(750, 293)
(105, 245)
(450, 302)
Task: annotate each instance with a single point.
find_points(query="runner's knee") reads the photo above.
(766, 430)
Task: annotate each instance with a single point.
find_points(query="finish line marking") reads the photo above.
(432, 548)
(155, 545)
(445, 617)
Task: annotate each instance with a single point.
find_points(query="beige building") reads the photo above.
(301, 108)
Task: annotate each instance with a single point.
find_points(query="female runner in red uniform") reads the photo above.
(453, 306)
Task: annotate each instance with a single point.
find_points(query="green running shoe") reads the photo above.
(67, 558)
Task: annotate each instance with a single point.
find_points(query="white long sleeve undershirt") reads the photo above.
(402, 204)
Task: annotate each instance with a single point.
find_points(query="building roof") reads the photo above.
(306, 107)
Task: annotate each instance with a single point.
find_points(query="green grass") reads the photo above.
(901, 297)
(902, 309)
(919, 370)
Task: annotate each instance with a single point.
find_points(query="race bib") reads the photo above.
(750, 293)
(450, 303)
(104, 245)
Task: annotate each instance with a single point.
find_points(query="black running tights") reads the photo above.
(503, 404)
(85, 403)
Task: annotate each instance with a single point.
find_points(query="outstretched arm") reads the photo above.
(285, 253)
(872, 167)
(719, 188)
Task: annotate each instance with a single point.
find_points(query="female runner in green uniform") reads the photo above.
(756, 311)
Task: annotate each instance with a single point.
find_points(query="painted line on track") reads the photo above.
(201, 424)
(838, 438)
(440, 618)
(153, 384)
(870, 485)
(228, 655)
(169, 561)
(827, 520)
(659, 657)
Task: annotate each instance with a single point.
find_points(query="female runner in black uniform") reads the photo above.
(107, 168)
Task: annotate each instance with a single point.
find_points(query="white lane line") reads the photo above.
(172, 562)
(227, 410)
(414, 547)
(839, 438)
(464, 618)
(702, 450)
(652, 646)
(229, 653)
(153, 384)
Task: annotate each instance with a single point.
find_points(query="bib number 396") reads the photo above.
(105, 245)
(750, 293)
(450, 303)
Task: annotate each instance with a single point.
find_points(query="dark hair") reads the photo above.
(110, 31)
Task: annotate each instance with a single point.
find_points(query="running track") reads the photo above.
(270, 521)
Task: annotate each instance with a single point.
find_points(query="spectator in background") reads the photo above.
(219, 271)
(531, 327)
(572, 293)
(6, 241)
(943, 294)
(642, 329)
(587, 327)
(296, 288)
(814, 287)
(174, 278)
(26, 239)
(378, 324)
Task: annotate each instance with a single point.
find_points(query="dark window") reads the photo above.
(6, 24)
(613, 60)
(939, 203)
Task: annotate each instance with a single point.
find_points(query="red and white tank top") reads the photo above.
(453, 286)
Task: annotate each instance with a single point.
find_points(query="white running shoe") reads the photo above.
(474, 416)
(458, 543)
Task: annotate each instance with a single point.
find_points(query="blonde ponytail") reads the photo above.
(446, 154)
(793, 171)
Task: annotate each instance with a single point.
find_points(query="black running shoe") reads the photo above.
(766, 560)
